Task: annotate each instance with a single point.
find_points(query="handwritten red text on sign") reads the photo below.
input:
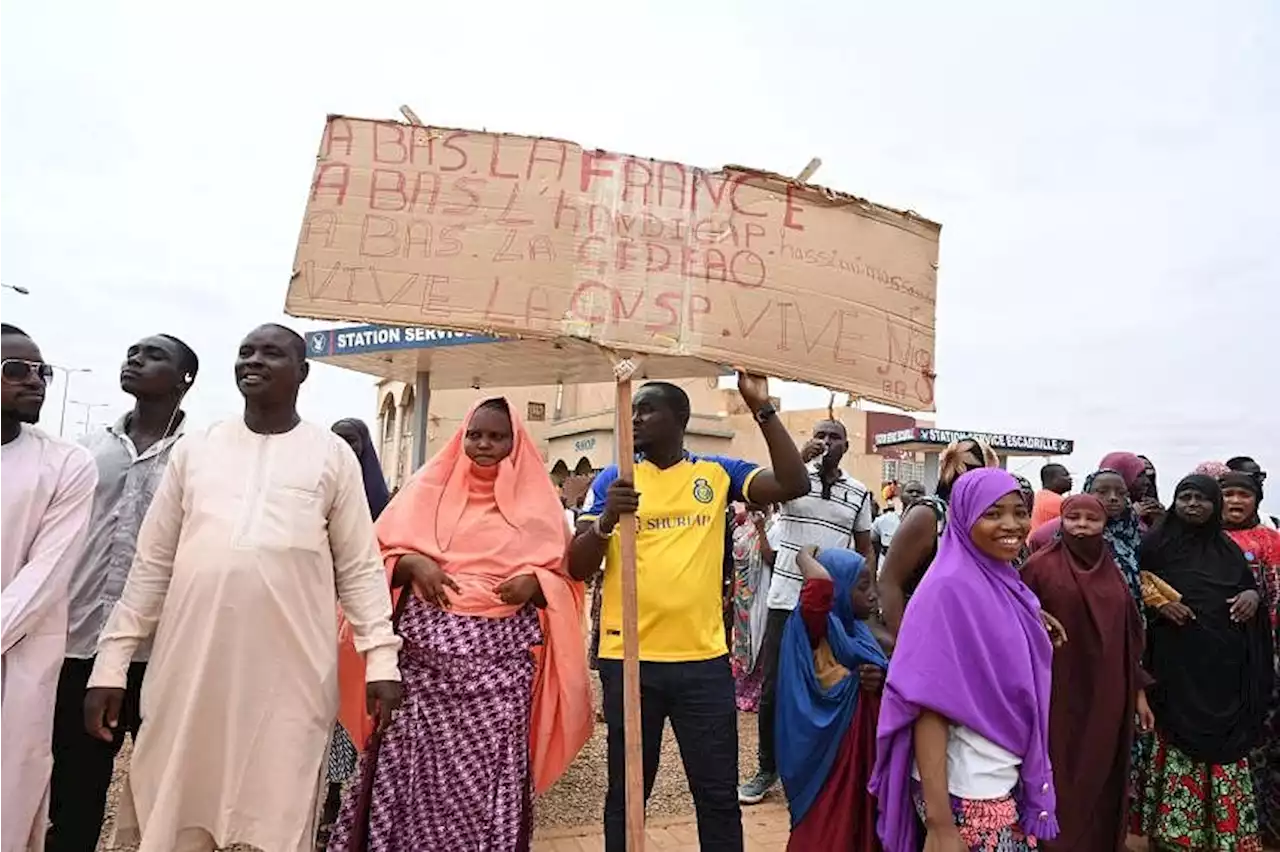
(539, 237)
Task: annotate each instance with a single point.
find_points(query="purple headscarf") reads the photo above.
(972, 649)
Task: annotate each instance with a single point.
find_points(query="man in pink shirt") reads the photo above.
(1055, 481)
(47, 498)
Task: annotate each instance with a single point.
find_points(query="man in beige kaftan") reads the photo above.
(256, 525)
(47, 498)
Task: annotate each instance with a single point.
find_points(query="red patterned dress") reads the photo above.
(1261, 548)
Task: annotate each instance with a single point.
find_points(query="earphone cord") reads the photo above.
(177, 408)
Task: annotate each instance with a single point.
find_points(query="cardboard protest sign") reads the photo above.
(538, 237)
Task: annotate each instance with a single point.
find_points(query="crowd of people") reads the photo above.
(1067, 669)
(305, 660)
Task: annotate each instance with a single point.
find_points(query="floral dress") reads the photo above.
(1178, 792)
(751, 577)
(1184, 804)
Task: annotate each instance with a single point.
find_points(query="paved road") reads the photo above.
(764, 827)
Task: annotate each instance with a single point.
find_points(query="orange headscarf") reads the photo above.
(423, 517)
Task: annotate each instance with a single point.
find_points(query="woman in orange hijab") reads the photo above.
(496, 697)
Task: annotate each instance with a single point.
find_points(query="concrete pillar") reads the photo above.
(397, 475)
(931, 466)
(421, 407)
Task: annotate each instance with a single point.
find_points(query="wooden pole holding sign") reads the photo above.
(808, 170)
(422, 381)
(624, 368)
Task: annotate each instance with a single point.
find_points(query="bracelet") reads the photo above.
(599, 530)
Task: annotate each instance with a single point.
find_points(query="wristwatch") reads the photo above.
(765, 413)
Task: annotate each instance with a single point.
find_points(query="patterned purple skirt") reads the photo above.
(453, 770)
(985, 825)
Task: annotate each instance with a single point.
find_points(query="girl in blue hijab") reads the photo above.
(830, 672)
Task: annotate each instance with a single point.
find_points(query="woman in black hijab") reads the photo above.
(342, 752)
(1241, 496)
(1147, 499)
(1212, 668)
(356, 434)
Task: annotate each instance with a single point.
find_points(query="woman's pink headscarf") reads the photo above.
(1212, 469)
(423, 517)
(1127, 465)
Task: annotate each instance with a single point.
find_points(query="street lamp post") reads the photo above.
(88, 411)
(17, 288)
(66, 385)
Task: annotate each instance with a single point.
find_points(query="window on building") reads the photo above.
(537, 412)
(404, 463)
(387, 417)
(903, 470)
(387, 432)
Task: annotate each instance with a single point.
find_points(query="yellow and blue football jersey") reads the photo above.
(679, 557)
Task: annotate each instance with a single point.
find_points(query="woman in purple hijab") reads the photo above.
(963, 736)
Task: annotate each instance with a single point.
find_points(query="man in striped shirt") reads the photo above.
(835, 513)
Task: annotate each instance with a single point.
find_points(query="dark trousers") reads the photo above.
(770, 646)
(82, 764)
(698, 698)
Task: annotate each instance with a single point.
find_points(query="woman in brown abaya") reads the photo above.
(1098, 683)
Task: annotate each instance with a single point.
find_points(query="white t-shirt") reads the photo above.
(810, 520)
(976, 767)
(885, 526)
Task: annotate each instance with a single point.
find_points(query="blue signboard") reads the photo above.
(359, 339)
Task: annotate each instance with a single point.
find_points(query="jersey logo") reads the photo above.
(702, 491)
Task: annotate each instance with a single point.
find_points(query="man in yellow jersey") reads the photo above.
(680, 501)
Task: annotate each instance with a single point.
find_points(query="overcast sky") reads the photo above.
(1105, 173)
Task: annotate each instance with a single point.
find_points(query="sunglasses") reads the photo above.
(19, 370)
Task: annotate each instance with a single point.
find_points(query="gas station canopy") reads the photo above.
(442, 359)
